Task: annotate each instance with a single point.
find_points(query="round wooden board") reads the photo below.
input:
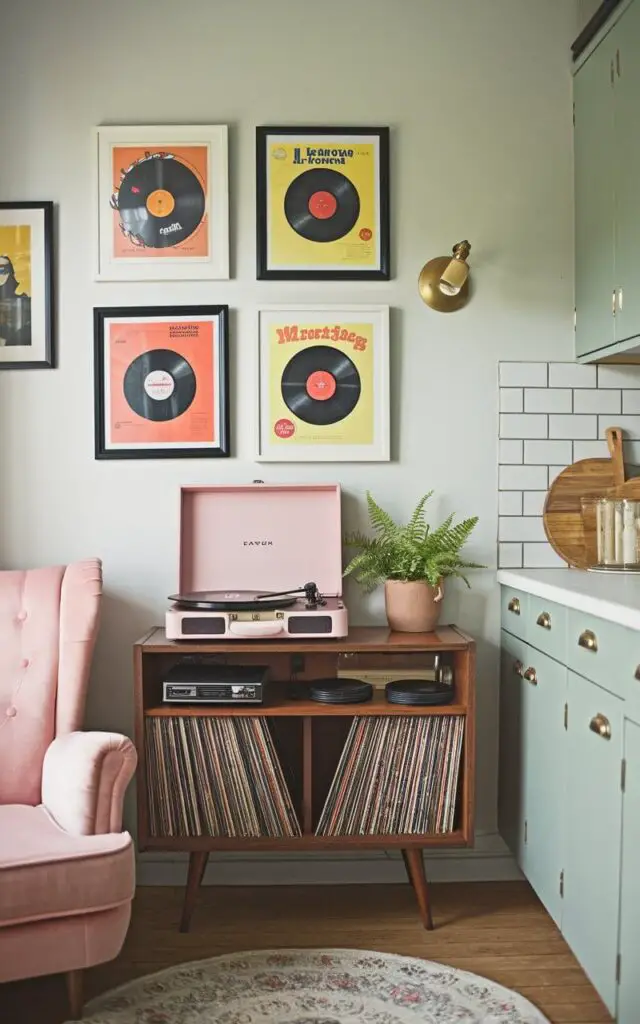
(562, 516)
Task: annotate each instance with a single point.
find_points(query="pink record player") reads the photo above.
(259, 560)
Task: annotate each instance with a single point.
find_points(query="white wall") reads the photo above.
(478, 98)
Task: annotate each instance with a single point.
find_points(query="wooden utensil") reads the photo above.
(562, 516)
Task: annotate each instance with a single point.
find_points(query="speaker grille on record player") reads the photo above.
(198, 625)
(309, 624)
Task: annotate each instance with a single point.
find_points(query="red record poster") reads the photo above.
(161, 382)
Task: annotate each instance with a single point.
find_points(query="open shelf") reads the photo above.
(278, 704)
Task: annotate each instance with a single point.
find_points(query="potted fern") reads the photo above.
(412, 561)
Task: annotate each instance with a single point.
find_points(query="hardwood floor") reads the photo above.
(498, 930)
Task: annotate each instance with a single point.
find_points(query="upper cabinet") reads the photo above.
(607, 211)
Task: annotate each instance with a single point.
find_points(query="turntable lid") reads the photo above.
(261, 537)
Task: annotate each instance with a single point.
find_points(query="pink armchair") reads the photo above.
(66, 868)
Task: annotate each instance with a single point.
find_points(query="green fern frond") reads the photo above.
(380, 520)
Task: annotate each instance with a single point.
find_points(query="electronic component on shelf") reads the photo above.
(192, 682)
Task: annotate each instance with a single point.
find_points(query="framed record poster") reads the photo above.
(26, 286)
(161, 382)
(324, 384)
(323, 203)
(162, 203)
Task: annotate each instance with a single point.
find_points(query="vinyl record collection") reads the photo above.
(216, 777)
(396, 776)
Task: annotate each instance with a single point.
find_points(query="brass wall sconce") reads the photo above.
(444, 281)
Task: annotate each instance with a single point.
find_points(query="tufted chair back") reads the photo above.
(48, 628)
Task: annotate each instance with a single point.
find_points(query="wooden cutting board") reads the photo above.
(562, 516)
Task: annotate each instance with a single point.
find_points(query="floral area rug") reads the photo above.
(316, 986)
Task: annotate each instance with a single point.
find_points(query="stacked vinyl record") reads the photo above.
(419, 693)
(332, 691)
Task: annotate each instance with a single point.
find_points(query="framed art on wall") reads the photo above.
(161, 382)
(162, 203)
(322, 203)
(26, 286)
(324, 384)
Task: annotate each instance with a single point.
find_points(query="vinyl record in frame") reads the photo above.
(322, 203)
(161, 382)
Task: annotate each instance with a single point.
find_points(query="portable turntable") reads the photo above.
(247, 556)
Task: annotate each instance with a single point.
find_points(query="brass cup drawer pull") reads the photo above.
(601, 725)
(544, 620)
(518, 668)
(530, 676)
(514, 606)
(637, 673)
(588, 640)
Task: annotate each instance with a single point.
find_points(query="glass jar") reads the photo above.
(615, 523)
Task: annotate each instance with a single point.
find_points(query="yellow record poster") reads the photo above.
(324, 384)
(323, 203)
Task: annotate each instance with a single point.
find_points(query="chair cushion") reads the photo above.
(45, 872)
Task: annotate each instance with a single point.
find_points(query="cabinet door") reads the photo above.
(594, 200)
(532, 748)
(592, 832)
(625, 158)
(629, 988)
(545, 682)
(513, 742)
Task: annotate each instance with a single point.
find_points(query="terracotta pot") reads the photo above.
(412, 606)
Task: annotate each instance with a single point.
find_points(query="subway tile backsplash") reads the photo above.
(552, 414)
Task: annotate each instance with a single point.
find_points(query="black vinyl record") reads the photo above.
(425, 692)
(340, 691)
(322, 205)
(236, 600)
(160, 202)
(159, 385)
(320, 385)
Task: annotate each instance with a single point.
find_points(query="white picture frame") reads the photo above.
(123, 251)
(355, 382)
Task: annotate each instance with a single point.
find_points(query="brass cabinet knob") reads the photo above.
(518, 668)
(637, 673)
(530, 676)
(588, 640)
(601, 725)
(514, 606)
(544, 620)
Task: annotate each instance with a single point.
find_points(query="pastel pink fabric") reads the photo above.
(48, 873)
(66, 868)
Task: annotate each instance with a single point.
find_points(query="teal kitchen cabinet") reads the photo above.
(629, 975)
(569, 781)
(626, 159)
(532, 699)
(607, 214)
(593, 809)
(593, 141)
(513, 744)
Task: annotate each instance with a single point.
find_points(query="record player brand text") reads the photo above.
(293, 332)
(257, 543)
(313, 155)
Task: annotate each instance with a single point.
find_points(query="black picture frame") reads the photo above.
(45, 350)
(263, 271)
(102, 314)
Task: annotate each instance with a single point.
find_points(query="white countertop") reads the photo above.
(612, 596)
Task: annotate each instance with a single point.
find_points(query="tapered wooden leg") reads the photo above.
(74, 993)
(197, 866)
(414, 863)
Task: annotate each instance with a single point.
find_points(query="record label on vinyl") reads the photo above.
(323, 204)
(159, 201)
(321, 387)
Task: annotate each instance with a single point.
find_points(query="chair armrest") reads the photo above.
(84, 779)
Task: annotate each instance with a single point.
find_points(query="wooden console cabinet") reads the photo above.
(308, 739)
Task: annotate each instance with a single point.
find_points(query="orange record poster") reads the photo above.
(324, 384)
(161, 382)
(162, 202)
